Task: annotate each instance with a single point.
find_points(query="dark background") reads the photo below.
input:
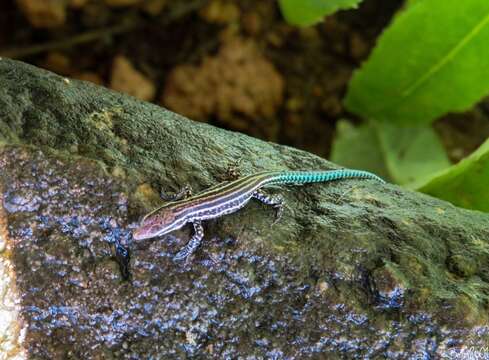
(233, 64)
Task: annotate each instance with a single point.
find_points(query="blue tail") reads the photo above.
(305, 177)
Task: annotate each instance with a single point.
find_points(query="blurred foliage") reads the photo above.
(466, 183)
(433, 59)
(404, 155)
(309, 12)
(359, 147)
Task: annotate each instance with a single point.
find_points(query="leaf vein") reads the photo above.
(450, 55)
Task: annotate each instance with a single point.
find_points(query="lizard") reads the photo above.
(226, 198)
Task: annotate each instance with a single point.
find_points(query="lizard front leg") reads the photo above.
(277, 201)
(183, 193)
(232, 172)
(193, 243)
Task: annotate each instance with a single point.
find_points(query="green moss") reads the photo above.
(461, 265)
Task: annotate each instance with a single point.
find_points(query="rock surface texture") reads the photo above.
(355, 269)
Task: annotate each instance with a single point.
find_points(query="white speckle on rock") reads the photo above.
(11, 327)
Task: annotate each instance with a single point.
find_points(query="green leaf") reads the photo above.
(465, 184)
(412, 154)
(359, 148)
(433, 59)
(309, 12)
(404, 155)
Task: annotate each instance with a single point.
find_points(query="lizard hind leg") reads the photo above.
(277, 201)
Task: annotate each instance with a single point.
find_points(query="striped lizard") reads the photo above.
(226, 198)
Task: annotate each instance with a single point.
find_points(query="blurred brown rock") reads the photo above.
(58, 63)
(89, 76)
(220, 12)
(236, 85)
(125, 78)
(45, 13)
(154, 7)
(78, 4)
(117, 3)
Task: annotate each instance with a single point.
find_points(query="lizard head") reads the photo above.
(159, 222)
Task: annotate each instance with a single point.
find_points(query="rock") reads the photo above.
(236, 86)
(89, 76)
(154, 7)
(44, 14)
(58, 62)
(12, 329)
(355, 269)
(78, 4)
(121, 3)
(220, 12)
(125, 78)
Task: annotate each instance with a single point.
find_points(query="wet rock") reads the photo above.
(355, 269)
